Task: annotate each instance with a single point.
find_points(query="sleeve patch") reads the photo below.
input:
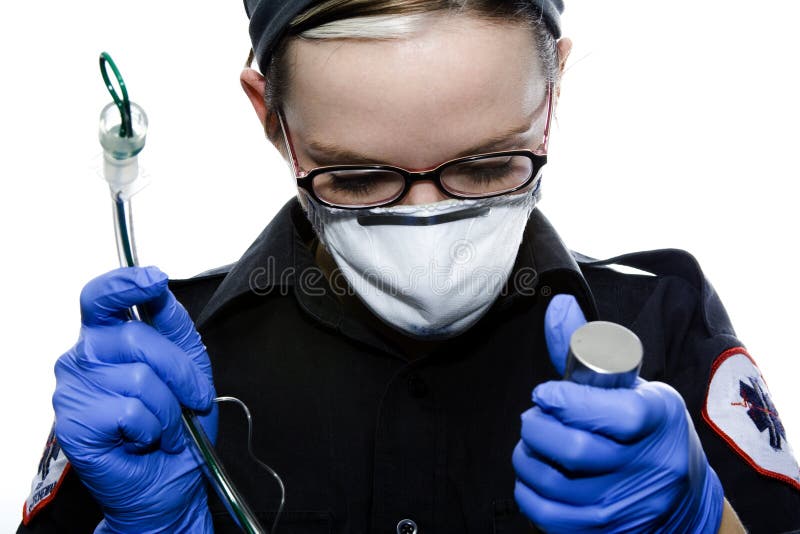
(739, 408)
(52, 470)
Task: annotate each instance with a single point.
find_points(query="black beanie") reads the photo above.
(270, 18)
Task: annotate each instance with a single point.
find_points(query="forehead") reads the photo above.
(457, 80)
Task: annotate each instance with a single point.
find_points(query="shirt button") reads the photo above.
(406, 526)
(416, 386)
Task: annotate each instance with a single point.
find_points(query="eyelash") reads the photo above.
(349, 185)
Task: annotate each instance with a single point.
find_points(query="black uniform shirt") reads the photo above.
(365, 436)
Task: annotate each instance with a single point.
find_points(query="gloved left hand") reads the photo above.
(610, 460)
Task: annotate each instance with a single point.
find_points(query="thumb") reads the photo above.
(172, 321)
(562, 318)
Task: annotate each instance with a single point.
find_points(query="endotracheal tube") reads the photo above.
(123, 132)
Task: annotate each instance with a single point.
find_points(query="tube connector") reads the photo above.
(120, 162)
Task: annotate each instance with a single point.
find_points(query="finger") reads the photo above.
(553, 484)
(556, 517)
(139, 381)
(573, 450)
(171, 320)
(134, 341)
(91, 423)
(562, 318)
(623, 414)
(137, 425)
(105, 300)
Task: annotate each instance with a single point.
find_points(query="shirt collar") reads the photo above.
(279, 261)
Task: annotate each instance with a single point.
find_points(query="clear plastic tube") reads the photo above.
(121, 170)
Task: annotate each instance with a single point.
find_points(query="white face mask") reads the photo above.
(430, 271)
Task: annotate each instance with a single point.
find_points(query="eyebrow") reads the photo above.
(325, 154)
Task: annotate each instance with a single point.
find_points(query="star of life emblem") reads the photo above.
(53, 468)
(740, 409)
(761, 410)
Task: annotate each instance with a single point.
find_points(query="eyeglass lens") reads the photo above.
(373, 187)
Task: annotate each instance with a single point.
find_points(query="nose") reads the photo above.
(423, 192)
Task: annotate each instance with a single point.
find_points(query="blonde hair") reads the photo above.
(369, 27)
(397, 19)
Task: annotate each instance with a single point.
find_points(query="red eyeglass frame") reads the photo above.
(305, 178)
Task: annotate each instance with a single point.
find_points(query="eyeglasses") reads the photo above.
(369, 186)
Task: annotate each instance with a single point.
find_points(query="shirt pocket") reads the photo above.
(291, 522)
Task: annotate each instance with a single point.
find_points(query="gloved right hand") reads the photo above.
(597, 459)
(118, 402)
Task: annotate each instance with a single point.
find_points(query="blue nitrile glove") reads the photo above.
(117, 405)
(610, 460)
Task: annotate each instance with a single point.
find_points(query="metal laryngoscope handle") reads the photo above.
(604, 354)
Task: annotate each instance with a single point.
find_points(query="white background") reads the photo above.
(677, 128)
